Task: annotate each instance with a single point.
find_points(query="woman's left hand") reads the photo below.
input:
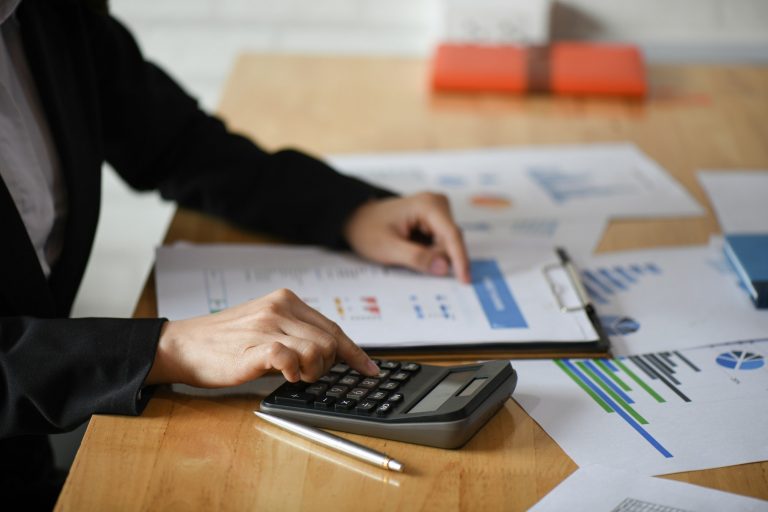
(416, 231)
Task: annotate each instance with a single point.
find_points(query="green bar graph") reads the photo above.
(624, 405)
(583, 386)
(615, 378)
(639, 381)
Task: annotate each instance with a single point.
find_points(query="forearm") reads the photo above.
(55, 373)
(157, 137)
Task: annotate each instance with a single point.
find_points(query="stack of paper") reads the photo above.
(687, 387)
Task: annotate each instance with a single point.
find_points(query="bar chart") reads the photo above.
(566, 185)
(602, 283)
(639, 388)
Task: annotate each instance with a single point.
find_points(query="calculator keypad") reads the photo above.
(294, 398)
(325, 402)
(345, 390)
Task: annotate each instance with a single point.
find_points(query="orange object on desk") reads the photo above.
(560, 68)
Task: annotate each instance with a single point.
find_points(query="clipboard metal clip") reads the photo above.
(557, 288)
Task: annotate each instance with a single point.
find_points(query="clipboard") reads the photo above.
(597, 348)
(509, 310)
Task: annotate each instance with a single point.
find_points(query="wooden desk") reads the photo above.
(187, 453)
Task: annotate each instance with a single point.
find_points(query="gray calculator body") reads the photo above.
(440, 406)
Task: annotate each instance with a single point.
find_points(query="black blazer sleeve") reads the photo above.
(157, 137)
(55, 373)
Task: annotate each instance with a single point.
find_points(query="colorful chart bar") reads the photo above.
(495, 297)
(583, 373)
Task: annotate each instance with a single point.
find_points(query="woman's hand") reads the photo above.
(236, 345)
(383, 231)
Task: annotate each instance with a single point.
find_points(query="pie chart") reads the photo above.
(740, 360)
(619, 325)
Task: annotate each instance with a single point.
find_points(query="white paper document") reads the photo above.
(740, 199)
(594, 180)
(602, 489)
(673, 298)
(510, 299)
(580, 236)
(655, 413)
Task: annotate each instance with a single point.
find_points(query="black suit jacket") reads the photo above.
(104, 102)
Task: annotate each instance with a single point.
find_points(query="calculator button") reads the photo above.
(337, 391)
(345, 405)
(369, 383)
(355, 373)
(349, 381)
(357, 394)
(316, 389)
(384, 409)
(340, 368)
(395, 397)
(294, 398)
(293, 386)
(383, 374)
(390, 385)
(325, 402)
(400, 376)
(411, 367)
(328, 379)
(389, 365)
(366, 406)
(377, 395)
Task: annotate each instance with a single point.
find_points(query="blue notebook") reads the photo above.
(749, 255)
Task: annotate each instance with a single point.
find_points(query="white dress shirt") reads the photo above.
(29, 164)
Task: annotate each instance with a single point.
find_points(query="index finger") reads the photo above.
(346, 349)
(448, 234)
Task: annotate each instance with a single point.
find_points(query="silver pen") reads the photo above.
(334, 442)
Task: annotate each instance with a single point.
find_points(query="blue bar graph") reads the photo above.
(608, 382)
(617, 408)
(602, 283)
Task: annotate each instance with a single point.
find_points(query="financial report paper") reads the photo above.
(608, 180)
(670, 298)
(655, 413)
(509, 301)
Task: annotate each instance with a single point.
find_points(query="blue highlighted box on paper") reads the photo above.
(495, 297)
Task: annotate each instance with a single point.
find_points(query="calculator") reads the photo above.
(440, 406)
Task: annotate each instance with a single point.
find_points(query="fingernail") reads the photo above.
(439, 267)
(372, 368)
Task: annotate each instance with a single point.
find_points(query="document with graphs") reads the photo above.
(608, 180)
(654, 413)
(670, 298)
(525, 297)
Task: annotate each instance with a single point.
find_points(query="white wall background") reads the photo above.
(198, 40)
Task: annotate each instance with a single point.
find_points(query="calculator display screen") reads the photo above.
(442, 392)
